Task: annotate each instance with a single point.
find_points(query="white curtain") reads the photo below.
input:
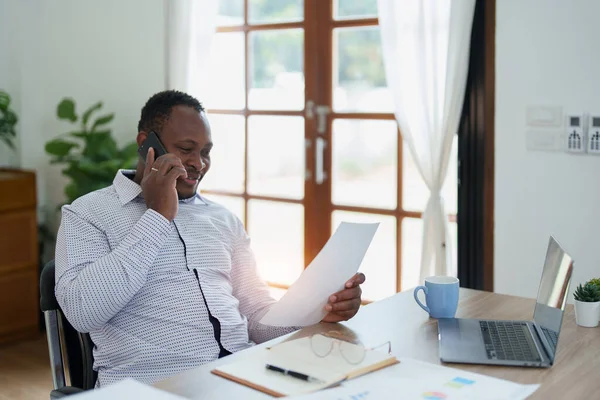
(190, 29)
(426, 56)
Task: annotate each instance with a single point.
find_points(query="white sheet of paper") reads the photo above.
(126, 389)
(412, 379)
(304, 303)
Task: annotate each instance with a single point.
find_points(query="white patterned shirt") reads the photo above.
(127, 275)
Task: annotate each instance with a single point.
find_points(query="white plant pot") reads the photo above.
(587, 314)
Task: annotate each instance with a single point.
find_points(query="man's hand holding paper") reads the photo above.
(344, 304)
(329, 288)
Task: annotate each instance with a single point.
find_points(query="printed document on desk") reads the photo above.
(304, 303)
(412, 379)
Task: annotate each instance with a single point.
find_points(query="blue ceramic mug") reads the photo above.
(441, 296)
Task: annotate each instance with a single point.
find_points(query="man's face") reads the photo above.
(187, 135)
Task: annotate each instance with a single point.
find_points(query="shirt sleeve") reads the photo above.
(252, 292)
(93, 281)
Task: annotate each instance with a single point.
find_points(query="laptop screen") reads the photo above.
(552, 294)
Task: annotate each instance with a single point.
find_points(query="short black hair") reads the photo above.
(157, 109)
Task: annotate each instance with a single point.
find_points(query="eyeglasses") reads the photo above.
(323, 344)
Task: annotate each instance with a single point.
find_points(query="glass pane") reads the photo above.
(412, 244)
(358, 76)
(276, 156)
(365, 163)
(379, 264)
(415, 193)
(231, 12)
(277, 70)
(272, 11)
(412, 239)
(227, 156)
(355, 9)
(277, 233)
(227, 83)
(232, 203)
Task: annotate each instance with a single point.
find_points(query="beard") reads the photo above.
(185, 191)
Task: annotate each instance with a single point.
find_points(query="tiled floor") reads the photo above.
(25, 370)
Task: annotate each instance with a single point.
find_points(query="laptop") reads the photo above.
(514, 343)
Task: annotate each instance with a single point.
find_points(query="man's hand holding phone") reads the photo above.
(159, 183)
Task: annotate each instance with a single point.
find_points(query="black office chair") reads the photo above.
(77, 346)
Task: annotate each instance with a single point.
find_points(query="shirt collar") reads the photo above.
(127, 189)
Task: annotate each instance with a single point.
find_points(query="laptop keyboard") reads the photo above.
(508, 340)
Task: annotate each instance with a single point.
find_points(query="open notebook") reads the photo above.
(297, 355)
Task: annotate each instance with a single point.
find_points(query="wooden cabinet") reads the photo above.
(19, 263)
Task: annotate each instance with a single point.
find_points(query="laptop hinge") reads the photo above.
(542, 340)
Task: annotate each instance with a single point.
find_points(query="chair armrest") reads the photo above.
(64, 392)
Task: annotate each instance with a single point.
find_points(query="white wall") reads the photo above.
(546, 54)
(108, 50)
(9, 71)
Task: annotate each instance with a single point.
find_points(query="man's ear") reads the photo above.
(141, 137)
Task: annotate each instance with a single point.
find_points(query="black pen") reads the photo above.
(293, 374)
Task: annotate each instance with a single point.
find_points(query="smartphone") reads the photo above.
(152, 141)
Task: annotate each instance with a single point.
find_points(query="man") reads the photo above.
(163, 279)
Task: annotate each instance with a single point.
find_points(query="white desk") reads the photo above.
(575, 375)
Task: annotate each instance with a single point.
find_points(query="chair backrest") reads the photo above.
(77, 346)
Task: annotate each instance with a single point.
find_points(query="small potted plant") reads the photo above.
(587, 305)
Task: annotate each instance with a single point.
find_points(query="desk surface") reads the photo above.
(575, 374)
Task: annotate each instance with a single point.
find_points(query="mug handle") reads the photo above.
(424, 288)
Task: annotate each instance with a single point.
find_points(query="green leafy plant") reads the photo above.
(89, 153)
(8, 120)
(588, 293)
